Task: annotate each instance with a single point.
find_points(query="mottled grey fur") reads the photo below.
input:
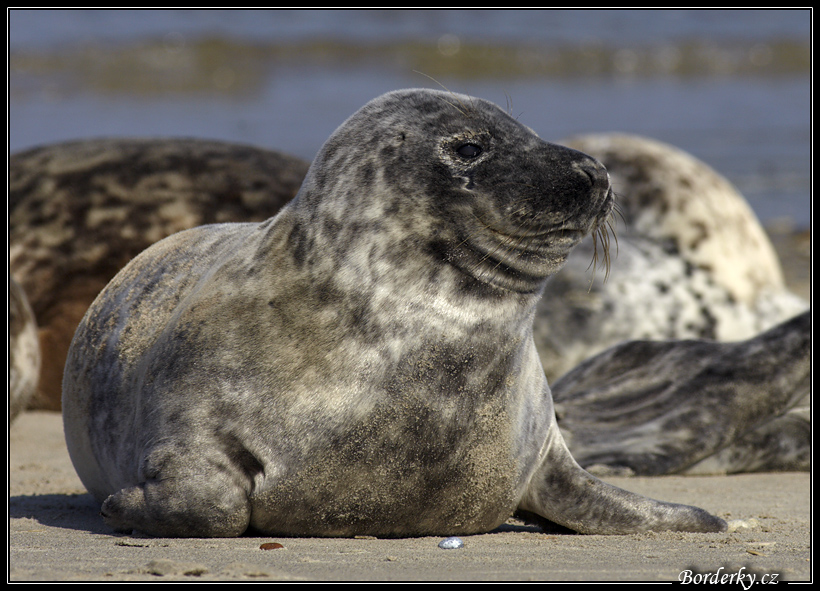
(691, 406)
(363, 362)
(79, 211)
(692, 261)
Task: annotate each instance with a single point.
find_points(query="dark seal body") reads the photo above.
(362, 363)
(80, 211)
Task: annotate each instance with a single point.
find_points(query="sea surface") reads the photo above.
(731, 87)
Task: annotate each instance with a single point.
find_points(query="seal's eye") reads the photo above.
(468, 150)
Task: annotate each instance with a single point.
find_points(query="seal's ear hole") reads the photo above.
(468, 150)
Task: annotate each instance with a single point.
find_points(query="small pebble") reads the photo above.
(738, 525)
(271, 546)
(451, 543)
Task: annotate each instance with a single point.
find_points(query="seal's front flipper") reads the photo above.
(563, 493)
(659, 407)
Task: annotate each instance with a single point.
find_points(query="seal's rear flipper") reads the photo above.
(172, 508)
(562, 492)
(189, 494)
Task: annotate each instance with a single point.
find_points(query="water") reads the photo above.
(731, 87)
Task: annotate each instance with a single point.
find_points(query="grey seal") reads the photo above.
(80, 210)
(362, 363)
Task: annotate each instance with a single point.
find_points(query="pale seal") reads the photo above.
(363, 362)
(24, 351)
(80, 210)
(692, 262)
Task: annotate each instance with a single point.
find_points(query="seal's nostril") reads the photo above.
(594, 169)
(596, 173)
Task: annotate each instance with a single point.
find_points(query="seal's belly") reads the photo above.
(335, 500)
(412, 481)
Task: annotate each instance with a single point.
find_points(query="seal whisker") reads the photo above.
(603, 230)
(617, 209)
(453, 94)
(593, 264)
(614, 234)
(600, 231)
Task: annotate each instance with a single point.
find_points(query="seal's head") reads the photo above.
(472, 186)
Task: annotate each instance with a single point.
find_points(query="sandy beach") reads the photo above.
(57, 534)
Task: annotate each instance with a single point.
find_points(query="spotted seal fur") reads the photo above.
(80, 210)
(693, 261)
(691, 406)
(363, 362)
(146, 188)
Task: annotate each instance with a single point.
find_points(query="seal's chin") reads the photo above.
(519, 262)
